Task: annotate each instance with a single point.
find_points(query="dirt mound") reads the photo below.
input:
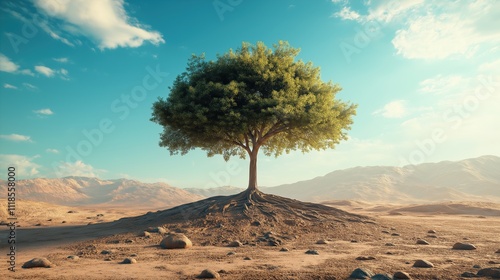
(462, 208)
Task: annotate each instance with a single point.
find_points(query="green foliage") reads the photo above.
(251, 98)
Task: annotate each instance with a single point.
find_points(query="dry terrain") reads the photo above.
(402, 225)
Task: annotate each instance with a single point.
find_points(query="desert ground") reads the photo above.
(388, 244)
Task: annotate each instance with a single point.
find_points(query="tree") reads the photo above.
(251, 99)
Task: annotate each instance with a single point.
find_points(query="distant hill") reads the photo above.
(91, 191)
(470, 179)
(224, 190)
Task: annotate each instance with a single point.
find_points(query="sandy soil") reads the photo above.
(336, 260)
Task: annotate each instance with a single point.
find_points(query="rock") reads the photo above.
(290, 222)
(312, 252)
(422, 242)
(354, 241)
(431, 231)
(72, 257)
(160, 230)
(176, 241)
(247, 258)
(401, 275)
(468, 274)
(491, 272)
(284, 249)
(389, 244)
(129, 261)
(381, 277)
(498, 251)
(385, 231)
(108, 259)
(393, 228)
(235, 243)
(365, 258)
(107, 252)
(129, 241)
(463, 246)
(209, 274)
(63, 222)
(231, 253)
(133, 255)
(432, 236)
(322, 241)
(423, 263)
(493, 262)
(38, 262)
(476, 266)
(72, 211)
(255, 223)
(361, 273)
(396, 234)
(146, 234)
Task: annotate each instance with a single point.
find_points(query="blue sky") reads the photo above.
(78, 79)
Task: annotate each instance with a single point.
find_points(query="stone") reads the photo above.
(247, 258)
(235, 243)
(385, 231)
(361, 273)
(401, 275)
(176, 241)
(107, 252)
(431, 231)
(422, 242)
(468, 274)
(381, 276)
(498, 251)
(72, 257)
(38, 262)
(284, 249)
(396, 234)
(146, 234)
(129, 261)
(231, 253)
(322, 241)
(389, 244)
(423, 264)
(463, 246)
(476, 266)
(255, 223)
(312, 252)
(160, 230)
(490, 272)
(209, 274)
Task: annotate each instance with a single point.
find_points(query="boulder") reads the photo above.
(381, 276)
(423, 263)
(322, 241)
(401, 275)
(312, 252)
(235, 243)
(493, 272)
(209, 274)
(422, 242)
(463, 246)
(129, 261)
(361, 273)
(176, 241)
(38, 262)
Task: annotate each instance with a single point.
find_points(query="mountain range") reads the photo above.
(476, 179)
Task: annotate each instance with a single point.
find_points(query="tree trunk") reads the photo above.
(252, 177)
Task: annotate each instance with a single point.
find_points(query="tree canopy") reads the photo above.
(250, 99)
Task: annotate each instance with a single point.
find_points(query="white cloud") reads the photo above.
(52, 151)
(16, 137)
(442, 84)
(386, 11)
(78, 168)
(6, 65)
(61, 59)
(49, 72)
(29, 86)
(394, 109)
(347, 14)
(46, 112)
(109, 26)
(439, 30)
(24, 165)
(44, 70)
(9, 86)
(492, 67)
